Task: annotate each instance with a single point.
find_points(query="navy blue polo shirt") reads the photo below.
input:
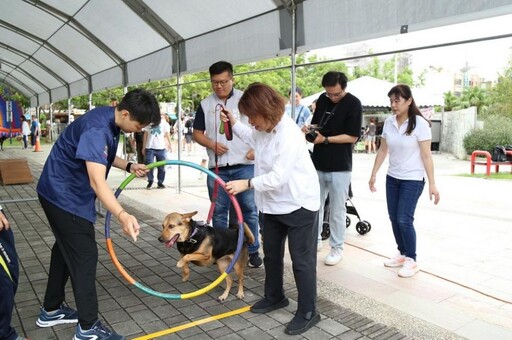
(64, 181)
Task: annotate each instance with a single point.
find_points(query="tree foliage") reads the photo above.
(275, 71)
(14, 95)
(500, 95)
(450, 101)
(497, 130)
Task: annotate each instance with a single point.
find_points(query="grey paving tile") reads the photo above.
(134, 313)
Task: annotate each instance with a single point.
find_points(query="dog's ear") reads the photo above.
(189, 215)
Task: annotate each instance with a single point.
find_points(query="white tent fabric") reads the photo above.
(372, 92)
(52, 49)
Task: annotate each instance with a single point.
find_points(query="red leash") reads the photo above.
(224, 128)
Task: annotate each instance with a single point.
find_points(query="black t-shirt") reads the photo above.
(345, 120)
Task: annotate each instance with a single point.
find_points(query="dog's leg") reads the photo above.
(203, 258)
(239, 270)
(185, 272)
(240, 266)
(223, 264)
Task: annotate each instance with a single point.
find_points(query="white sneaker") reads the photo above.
(409, 268)
(319, 245)
(334, 257)
(396, 261)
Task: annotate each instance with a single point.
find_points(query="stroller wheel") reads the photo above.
(369, 225)
(326, 231)
(363, 227)
(348, 221)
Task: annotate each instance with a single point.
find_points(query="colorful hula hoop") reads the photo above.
(148, 290)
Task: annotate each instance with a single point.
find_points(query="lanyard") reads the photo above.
(327, 115)
(4, 265)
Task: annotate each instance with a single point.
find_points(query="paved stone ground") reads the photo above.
(134, 313)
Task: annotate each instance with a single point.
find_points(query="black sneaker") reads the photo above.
(255, 260)
(161, 186)
(150, 184)
(264, 305)
(301, 323)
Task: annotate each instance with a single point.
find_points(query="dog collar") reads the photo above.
(191, 237)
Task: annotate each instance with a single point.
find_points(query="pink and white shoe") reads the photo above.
(409, 268)
(396, 261)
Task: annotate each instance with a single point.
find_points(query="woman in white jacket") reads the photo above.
(287, 194)
(25, 131)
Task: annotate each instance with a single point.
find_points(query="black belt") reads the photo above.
(231, 166)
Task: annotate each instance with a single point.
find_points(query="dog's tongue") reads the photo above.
(171, 242)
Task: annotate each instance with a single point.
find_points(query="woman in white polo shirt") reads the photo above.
(406, 136)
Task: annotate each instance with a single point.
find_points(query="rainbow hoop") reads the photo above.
(148, 290)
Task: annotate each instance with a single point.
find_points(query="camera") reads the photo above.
(313, 128)
(312, 133)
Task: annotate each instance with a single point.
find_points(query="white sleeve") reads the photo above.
(422, 130)
(244, 133)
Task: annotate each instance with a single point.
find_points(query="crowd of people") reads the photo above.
(264, 160)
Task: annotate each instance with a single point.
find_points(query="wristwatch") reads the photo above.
(128, 167)
(326, 140)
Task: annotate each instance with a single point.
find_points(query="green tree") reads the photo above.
(500, 98)
(450, 101)
(389, 70)
(14, 95)
(475, 96)
(406, 76)
(384, 71)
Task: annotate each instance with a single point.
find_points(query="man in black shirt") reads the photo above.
(338, 117)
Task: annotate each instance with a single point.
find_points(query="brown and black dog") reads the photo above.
(205, 245)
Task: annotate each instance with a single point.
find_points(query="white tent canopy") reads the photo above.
(52, 49)
(373, 92)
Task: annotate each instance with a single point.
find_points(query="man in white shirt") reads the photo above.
(227, 157)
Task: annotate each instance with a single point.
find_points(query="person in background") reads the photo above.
(9, 274)
(138, 138)
(227, 157)
(188, 134)
(168, 141)
(406, 137)
(312, 107)
(25, 131)
(302, 112)
(338, 117)
(370, 133)
(287, 194)
(35, 129)
(156, 139)
(80, 161)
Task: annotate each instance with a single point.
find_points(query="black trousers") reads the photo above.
(300, 227)
(8, 283)
(74, 255)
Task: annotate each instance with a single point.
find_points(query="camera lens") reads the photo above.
(311, 136)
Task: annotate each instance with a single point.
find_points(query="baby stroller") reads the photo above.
(362, 227)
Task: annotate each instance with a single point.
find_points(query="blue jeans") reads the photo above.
(402, 197)
(160, 156)
(245, 200)
(335, 184)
